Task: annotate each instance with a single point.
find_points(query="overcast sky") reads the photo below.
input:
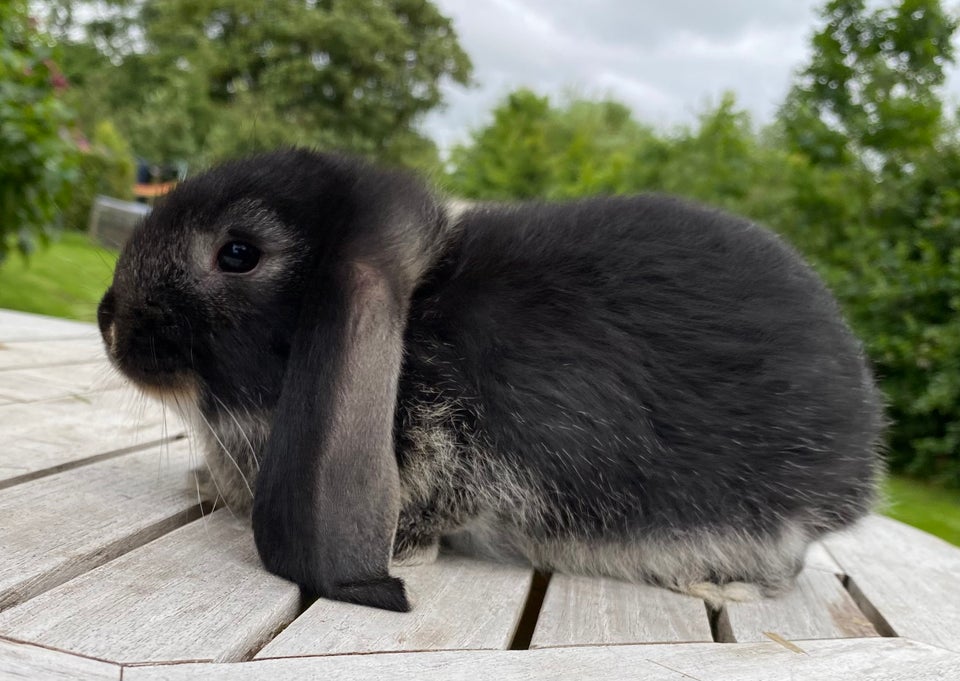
(667, 59)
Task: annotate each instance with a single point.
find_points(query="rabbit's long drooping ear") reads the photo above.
(328, 496)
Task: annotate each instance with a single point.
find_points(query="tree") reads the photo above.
(867, 109)
(37, 158)
(533, 149)
(871, 86)
(202, 79)
(509, 158)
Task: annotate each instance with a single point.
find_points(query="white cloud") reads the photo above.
(666, 59)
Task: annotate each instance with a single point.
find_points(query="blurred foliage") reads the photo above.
(37, 157)
(534, 150)
(871, 86)
(106, 167)
(859, 171)
(197, 81)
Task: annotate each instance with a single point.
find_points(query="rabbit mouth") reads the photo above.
(180, 390)
(158, 381)
(151, 362)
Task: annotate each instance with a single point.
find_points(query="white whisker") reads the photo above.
(227, 452)
(253, 452)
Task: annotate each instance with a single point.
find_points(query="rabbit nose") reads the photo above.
(105, 315)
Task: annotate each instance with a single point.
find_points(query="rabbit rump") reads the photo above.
(635, 387)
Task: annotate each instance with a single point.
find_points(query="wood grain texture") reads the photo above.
(458, 603)
(198, 593)
(870, 659)
(60, 526)
(912, 578)
(33, 663)
(47, 437)
(597, 611)
(875, 659)
(54, 382)
(818, 558)
(819, 607)
(24, 326)
(23, 354)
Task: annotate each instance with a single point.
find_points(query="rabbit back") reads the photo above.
(617, 371)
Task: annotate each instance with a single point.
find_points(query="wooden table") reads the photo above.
(110, 569)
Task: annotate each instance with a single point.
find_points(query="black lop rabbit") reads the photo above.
(636, 387)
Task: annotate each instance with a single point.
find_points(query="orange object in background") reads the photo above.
(152, 191)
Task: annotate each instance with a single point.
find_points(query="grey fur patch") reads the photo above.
(484, 508)
(481, 507)
(231, 445)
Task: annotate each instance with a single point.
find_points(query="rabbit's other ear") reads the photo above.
(328, 492)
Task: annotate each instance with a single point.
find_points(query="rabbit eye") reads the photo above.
(238, 257)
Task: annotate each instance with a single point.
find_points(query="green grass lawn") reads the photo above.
(64, 280)
(932, 509)
(68, 278)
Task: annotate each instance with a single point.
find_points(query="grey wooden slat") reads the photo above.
(48, 383)
(502, 665)
(912, 578)
(198, 593)
(24, 354)
(458, 603)
(602, 611)
(45, 437)
(60, 526)
(875, 659)
(819, 607)
(818, 558)
(24, 326)
(868, 659)
(28, 662)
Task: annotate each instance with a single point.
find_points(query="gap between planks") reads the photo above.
(833, 660)
(459, 603)
(95, 458)
(869, 611)
(51, 365)
(197, 593)
(72, 522)
(530, 614)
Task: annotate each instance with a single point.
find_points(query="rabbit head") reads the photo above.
(278, 285)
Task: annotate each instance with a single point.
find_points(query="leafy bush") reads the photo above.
(906, 304)
(106, 167)
(37, 158)
(888, 243)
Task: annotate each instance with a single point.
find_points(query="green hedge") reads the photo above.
(106, 167)
(38, 159)
(887, 243)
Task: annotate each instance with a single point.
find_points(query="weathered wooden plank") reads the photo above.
(198, 593)
(47, 383)
(458, 603)
(24, 326)
(868, 659)
(601, 611)
(819, 607)
(55, 352)
(910, 577)
(31, 663)
(874, 659)
(818, 558)
(60, 526)
(46, 437)
(557, 664)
